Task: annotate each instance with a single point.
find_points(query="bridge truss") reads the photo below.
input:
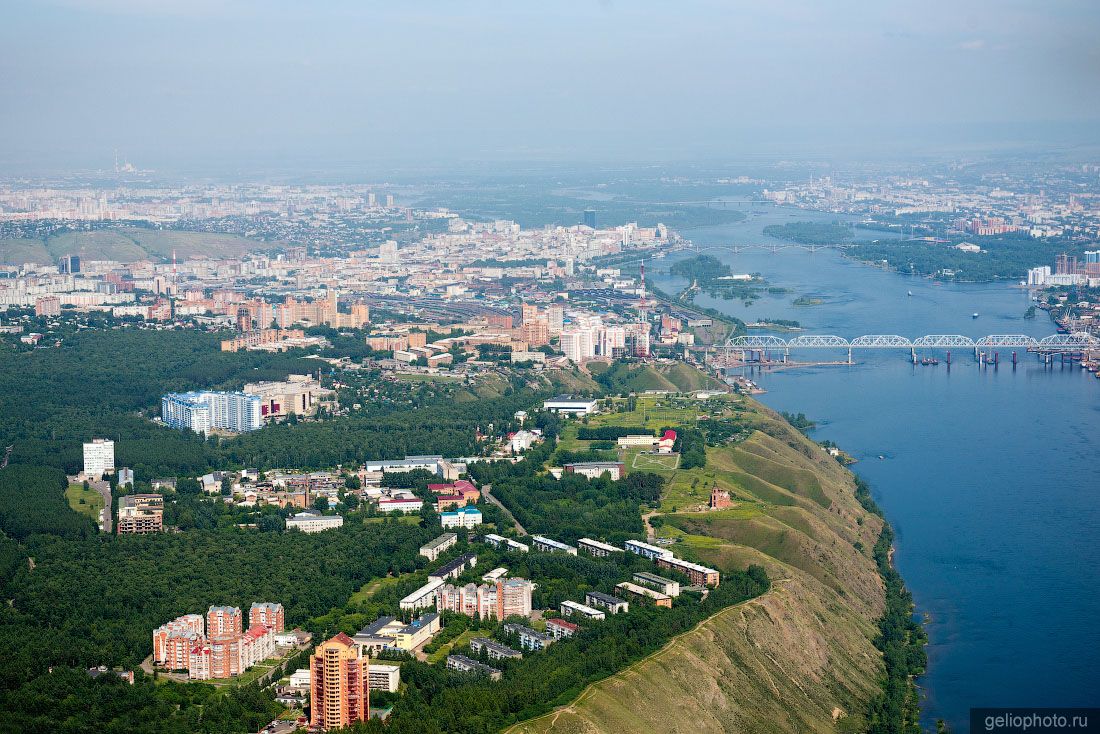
(1077, 343)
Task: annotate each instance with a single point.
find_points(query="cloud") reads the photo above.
(974, 44)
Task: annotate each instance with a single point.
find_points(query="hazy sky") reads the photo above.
(172, 82)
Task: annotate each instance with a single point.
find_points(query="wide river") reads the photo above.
(989, 476)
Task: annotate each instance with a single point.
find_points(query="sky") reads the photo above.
(224, 83)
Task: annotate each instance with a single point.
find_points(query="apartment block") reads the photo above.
(266, 614)
(140, 513)
(432, 549)
(99, 458)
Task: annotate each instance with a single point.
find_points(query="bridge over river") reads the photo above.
(1064, 344)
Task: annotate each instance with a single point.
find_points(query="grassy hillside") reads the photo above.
(127, 244)
(19, 251)
(798, 659)
(623, 377)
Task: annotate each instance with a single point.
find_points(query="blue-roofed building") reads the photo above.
(463, 517)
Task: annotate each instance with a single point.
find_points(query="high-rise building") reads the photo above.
(372, 199)
(578, 344)
(68, 264)
(339, 684)
(202, 411)
(389, 200)
(172, 642)
(536, 332)
(99, 458)
(1092, 263)
(266, 614)
(555, 318)
(47, 306)
(387, 251)
(500, 600)
(224, 621)
(590, 218)
(528, 312)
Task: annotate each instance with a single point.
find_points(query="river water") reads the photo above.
(989, 476)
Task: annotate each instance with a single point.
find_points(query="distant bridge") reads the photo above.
(1077, 343)
(774, 249)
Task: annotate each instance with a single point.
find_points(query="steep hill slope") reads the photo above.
(798, 659)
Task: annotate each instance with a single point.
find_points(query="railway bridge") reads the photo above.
(1063, 344)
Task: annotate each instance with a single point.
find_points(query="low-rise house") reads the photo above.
(453, 569)
(569, 608)
(547, 545)
(600, 600)
(699, 575)
(403, 505)
(644, 592)
(529, 639)
(422, 597)
(464, 517)
(390, 633)
(596, 548)
(432, 549)
(494, 649)
(313, 522)
(570, 405)
(384, 677)
(596, 469)
(646, 550)
(660, 583)
(560, 628)
(499, 541)
(464, 664)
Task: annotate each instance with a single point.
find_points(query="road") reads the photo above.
(104, 490)
(486, 490)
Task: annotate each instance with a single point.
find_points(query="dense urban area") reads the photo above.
(316, 457)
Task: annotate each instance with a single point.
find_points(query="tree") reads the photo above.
(320, 504)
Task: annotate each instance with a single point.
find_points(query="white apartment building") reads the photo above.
(99, 458)
(203, 411)
(423, 597)
(384, 677)
(578, 344)
(312, 522)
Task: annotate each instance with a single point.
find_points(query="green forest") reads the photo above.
(1004, 257)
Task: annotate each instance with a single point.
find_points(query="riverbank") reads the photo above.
(802, 656)
(961, 462)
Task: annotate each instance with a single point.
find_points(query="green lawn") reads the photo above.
(457, 643)
(407, 519)
(92, 501)
(371, 588)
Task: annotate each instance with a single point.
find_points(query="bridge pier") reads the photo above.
(913, 354)
(849, 355)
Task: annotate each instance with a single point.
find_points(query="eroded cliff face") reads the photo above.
(797, 659)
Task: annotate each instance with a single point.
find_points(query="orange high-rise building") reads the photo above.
(339, 684)
(266, 614)
(224, 622)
